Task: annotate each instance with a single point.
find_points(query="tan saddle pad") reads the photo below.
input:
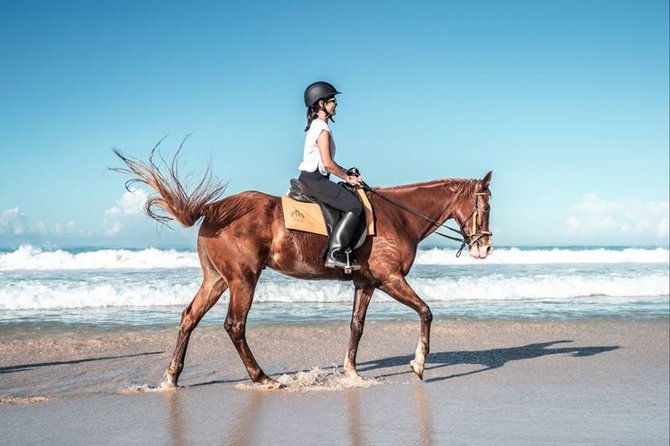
(308, 217)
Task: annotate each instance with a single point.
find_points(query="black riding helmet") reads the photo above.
(319, 90)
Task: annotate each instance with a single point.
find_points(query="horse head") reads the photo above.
(472, 215)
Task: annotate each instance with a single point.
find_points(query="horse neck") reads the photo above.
(440, 200)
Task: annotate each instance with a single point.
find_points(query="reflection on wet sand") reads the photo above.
(252, 414)
(353, 411)
(424, 414)
(241, 429)
(176, 425)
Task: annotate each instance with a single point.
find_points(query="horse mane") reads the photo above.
(446, 183)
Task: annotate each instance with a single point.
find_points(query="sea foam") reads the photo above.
(517, 256)
(29, 258)
(44, 293)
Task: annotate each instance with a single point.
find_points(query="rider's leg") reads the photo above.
(343, 233)
(341, 239)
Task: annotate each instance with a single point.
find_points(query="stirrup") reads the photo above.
(349, 267)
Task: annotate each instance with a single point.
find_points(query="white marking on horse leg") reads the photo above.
(349, 369)
(417, 364)
(168, 382)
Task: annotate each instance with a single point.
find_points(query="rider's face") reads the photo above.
(330, 105)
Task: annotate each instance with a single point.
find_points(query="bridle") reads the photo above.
(466, 239)
(476, 234)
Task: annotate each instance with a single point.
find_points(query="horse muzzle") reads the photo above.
(481, 251)
(480, 245)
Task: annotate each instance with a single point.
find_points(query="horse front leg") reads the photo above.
(362, 298)
(204, 300)
(398, 288)
(241, 297)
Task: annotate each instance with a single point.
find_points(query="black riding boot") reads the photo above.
(342, 236)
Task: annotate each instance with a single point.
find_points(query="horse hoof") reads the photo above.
(417, 368)
(167, 384)
(270, 383)
(352, 374)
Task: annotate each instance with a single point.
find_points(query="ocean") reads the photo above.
(57, 289)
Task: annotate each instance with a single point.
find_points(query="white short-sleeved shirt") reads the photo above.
(311, 158)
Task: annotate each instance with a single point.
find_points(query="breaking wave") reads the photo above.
(45, 293)
(517, 256)
(35, 259)
(29, 258)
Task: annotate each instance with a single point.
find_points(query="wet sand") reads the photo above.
(486, 382)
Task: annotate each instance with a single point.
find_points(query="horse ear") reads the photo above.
(486, 180)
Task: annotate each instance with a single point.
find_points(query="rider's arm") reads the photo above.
(323, 141)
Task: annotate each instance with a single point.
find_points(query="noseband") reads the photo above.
(466, 239)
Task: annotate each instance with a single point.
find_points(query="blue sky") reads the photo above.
(566, 101)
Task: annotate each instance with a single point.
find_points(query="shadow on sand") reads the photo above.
(490, 359)
(24, 367)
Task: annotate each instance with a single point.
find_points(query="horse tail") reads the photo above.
(172, 202)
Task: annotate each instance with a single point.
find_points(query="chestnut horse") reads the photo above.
(242, 234)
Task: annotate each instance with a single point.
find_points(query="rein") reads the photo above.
(465, 240)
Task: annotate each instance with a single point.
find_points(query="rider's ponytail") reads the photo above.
(312, 114)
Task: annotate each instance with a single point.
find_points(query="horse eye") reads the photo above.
(487, 208)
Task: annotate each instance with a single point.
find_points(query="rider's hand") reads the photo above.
(355, 181)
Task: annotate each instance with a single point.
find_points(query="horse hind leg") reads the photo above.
(210, 291)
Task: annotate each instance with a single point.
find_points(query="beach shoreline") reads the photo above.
(586, 381)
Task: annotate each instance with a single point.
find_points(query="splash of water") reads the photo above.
(316, 380)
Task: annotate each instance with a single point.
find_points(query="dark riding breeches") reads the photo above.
(330, 193)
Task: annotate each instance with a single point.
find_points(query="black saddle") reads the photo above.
(299, 192)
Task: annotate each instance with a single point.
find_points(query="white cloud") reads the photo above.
(124, 222)
(13, 221)
(131, 203)
(41, 228)
(127, 208)
(68, 229)
(625, 218)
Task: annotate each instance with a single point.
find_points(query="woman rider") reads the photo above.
(318, 164)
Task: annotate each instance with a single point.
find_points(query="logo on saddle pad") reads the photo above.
(297, 215)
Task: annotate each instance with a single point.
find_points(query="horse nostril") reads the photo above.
(489, 249)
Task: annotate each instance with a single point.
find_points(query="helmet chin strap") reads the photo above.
(323, 108)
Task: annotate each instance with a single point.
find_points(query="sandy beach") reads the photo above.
(486, 382)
